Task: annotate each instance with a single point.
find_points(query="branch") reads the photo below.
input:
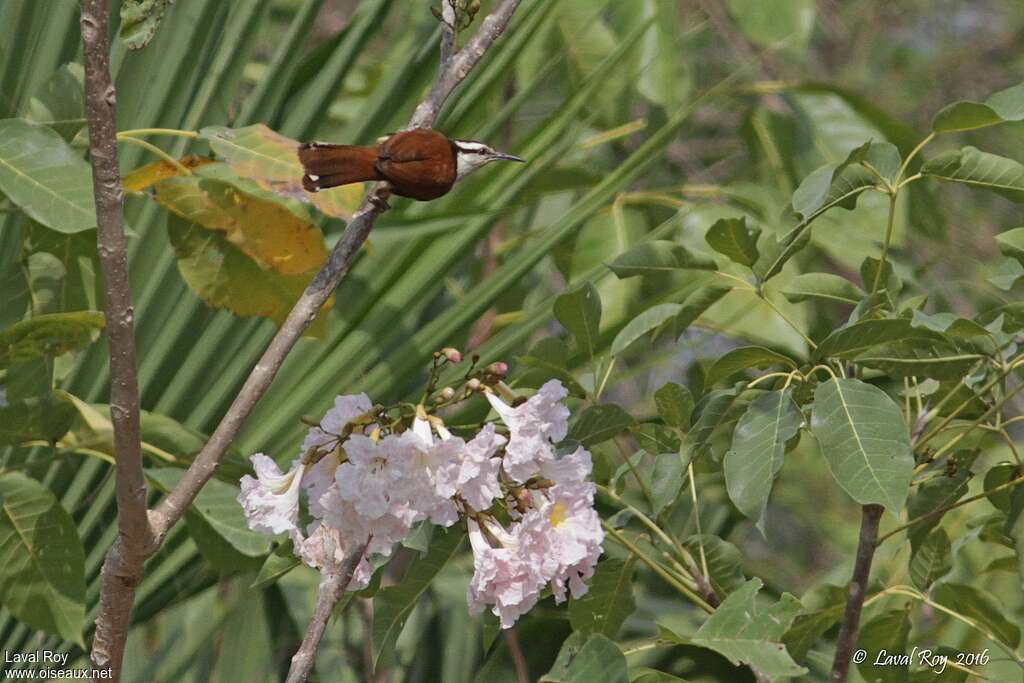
(122, 567)
(332, 587)
(850, 628)
(461, 64)
(113, 618)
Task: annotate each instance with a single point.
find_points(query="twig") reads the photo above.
(850, 628)
(512, 641)
(332, 587)
(461, 63)
(116, 595)
(122, 567)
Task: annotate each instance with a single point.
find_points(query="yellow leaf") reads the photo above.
(266, 231)
(271, 160)
(224, 277)
(150, 174)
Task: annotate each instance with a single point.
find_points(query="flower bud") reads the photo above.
(447, 393)
(453, 355)
(473, 384)
(499, 368)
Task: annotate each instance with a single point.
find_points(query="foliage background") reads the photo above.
(581, 88)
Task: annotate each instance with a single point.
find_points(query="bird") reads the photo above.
(420, 164)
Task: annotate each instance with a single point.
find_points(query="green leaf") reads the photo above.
(48, 336)
(743, 633)
(850, 341)
(579, 661)
(714, 410)
(822, 287)
(864, 440)
(1011, 243)
(224, 277)
(834, 185)
(600, 422)
(46, 417)
(1002, 107)
(931, 560)
(695, 304)
(732, 238)
(675, 404)
(886, 632)
(277, 564)
(658, 256)
(913, 358)
(647, 321)
(979, 169)
(44, 177)
(667, 480)
(931, 495)
(996, 476)
(644, 674)
(579, 312)
(974, 603)
(42, 563)
(725, 563)
(742, 358)
(758, 450)
(139, 21)
(393, 605)
(608, 601)
(60, 102)
(775, 23)
(656, 439)
(217, 505)
(808, 628)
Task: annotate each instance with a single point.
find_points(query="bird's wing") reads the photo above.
(418, 156)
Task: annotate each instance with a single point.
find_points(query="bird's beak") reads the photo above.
(508, 157)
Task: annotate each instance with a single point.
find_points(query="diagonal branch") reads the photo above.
(123, 563)
(332, 587)
(116, 596)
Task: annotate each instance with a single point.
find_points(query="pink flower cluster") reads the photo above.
(362, 487)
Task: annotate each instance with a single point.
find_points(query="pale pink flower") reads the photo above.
(374, 477)
(507, 577)
(271, 500)
(346, 409)
(325, 548)
(533, 427)
(477, 478)
(567, 531)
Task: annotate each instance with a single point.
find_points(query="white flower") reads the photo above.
(271, 500)
(533, 427)
(477, 478)
(438, 459)
(346, 409)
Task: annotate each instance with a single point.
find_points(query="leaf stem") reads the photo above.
(182, 169)
(158, 131)
(943, 510)
(761, 295)
(913, 153)
(890, 222)
(658, 569)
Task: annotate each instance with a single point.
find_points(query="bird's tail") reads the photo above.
(333, 165)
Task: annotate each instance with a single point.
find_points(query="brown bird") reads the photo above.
(420, 164)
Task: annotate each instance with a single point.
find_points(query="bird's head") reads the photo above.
(471, 155)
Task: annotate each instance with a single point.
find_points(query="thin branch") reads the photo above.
(122, 567)
(850, 627)
(518, 659)
(462, 63)
(332, 587)
(117, 594)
